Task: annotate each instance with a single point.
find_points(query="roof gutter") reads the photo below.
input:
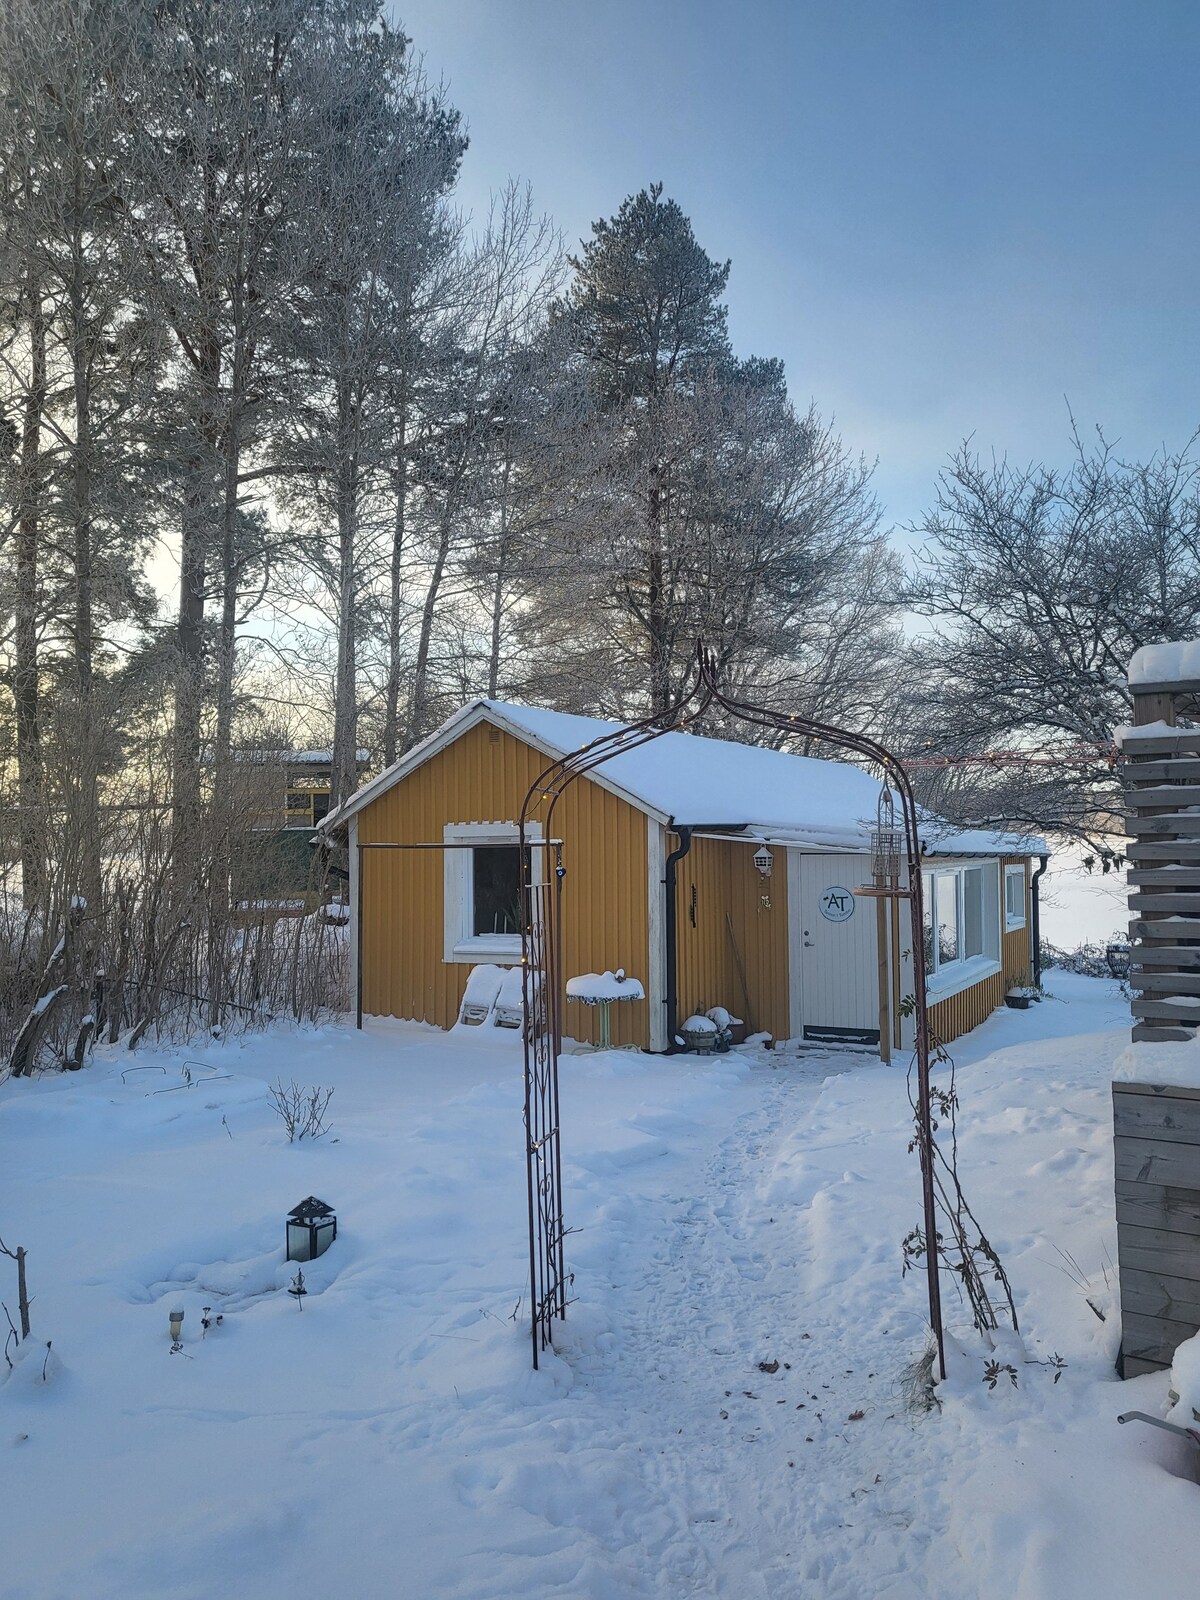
(683, 831)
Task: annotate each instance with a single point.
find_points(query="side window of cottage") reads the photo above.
(961, 917)
(1014, 898)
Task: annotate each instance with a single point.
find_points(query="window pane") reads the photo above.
(927, 886)
(973, 912)
(1014, 895)
(948, 943)
(497, 896)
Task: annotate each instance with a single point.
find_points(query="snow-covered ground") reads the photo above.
(387, 1438)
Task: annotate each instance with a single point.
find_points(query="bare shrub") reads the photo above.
(301, 1110)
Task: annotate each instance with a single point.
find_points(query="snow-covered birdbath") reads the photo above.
(602, 989)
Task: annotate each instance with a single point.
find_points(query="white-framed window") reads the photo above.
(1014, 898)
(483, 889)
(962, 922)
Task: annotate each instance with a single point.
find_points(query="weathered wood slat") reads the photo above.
(1169, 904)
(1155, 1208)
(1142, 772)
(1156, 1091)
(1142, 692)
(1154, 981)
(1144, 1116)
(1169, 876)
(1147, 1033)
(1177, 1255)
(1185, 824)
(1151, 1294)
(1182, 957)
(1175, 1166)
(1135, 1367)
(1162, 928)
(1153, 1338)
(1172, 795)
(1185, 742)
(1163, 850)
(1166, 1009)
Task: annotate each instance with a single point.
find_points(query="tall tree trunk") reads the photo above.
(344, 778)
(224, 821)
(419, 698)
(88, 798)
(195, 528)
(199, 512)
(26, 690)
(399, 533)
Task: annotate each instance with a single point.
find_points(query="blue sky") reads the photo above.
(947, 218)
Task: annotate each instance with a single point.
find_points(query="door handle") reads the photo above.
(808, 942)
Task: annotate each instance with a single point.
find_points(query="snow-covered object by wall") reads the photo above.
(593, 987)
(1165, 663)
(1185, 1382)
(699, 1024)
(722, 1018)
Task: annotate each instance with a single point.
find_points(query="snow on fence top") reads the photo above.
(1165, 663)
(1175, 1064)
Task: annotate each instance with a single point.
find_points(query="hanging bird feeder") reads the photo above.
(887, 843)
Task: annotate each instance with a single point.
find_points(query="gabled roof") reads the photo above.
(690, 780)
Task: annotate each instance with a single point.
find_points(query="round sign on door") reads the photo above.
(837, 904)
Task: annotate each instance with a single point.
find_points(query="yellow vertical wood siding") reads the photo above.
(726, 880)
(958, 1014)
(483, 777)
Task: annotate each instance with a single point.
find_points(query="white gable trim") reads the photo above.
(471, 716)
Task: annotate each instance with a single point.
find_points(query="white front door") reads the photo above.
(834, 977)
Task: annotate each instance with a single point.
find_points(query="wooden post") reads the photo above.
(1161, 784)
(885, 982)
(1156, 1127)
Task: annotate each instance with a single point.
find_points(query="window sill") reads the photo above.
(489, 947)
(960, 975)
(1015, 926)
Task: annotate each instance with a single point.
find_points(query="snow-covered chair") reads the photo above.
(509, 1010)
(480, 995)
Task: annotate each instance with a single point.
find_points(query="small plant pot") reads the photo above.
(1018, 1002)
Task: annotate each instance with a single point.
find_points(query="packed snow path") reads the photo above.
(724, 1414)
(729, 1388)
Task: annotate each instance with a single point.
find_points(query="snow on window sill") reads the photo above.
(960, 975)
(486, 947)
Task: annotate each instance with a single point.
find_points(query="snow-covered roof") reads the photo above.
(691, 781)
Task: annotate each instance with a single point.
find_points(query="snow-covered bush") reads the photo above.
(1090, 960)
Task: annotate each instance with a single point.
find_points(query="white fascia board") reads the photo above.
(462, 722)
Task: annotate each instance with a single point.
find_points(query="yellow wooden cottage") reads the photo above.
(715, 873)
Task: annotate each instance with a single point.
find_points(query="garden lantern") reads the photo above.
(763, 860)
(175, 1318)
(311, 1229)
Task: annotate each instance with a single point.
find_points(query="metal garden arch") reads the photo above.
(542, 976)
